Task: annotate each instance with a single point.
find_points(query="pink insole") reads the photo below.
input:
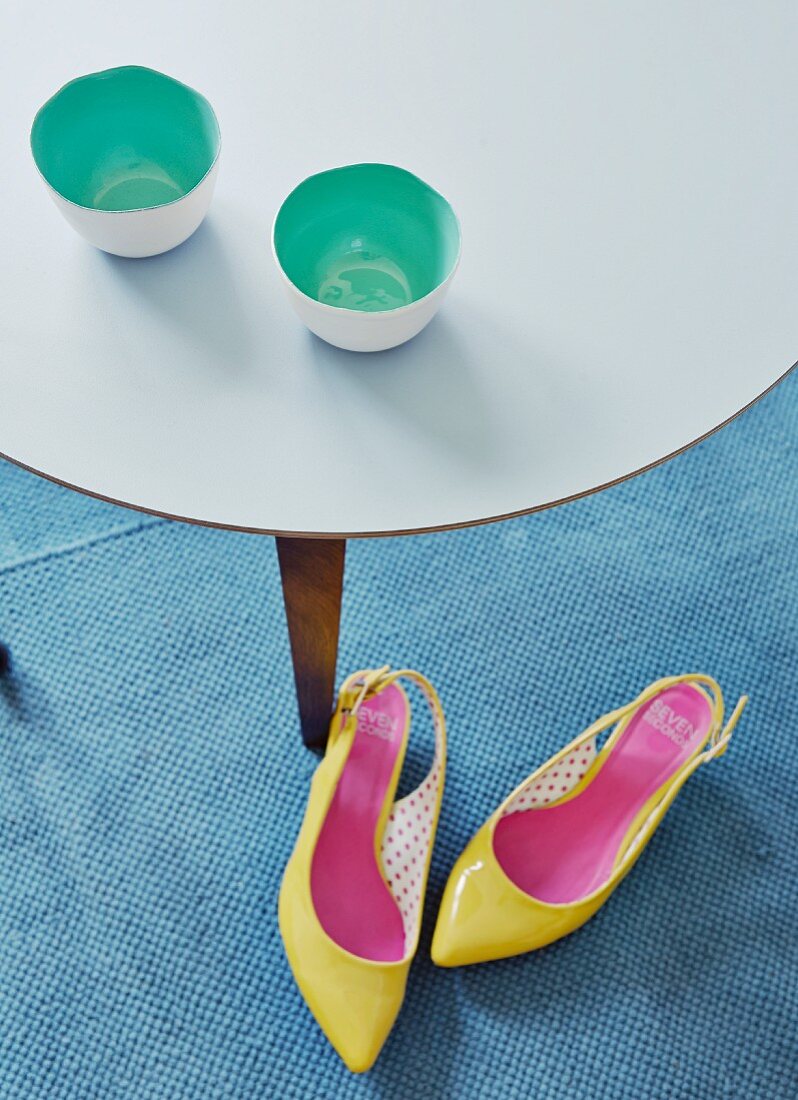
(563, 852)
(355, 907)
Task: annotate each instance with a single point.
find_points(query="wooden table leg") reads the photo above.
(312, 572)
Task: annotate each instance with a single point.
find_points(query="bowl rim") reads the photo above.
(343, 310)
(106, 72)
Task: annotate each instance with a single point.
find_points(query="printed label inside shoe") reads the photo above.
(377, 724)
(666, 720)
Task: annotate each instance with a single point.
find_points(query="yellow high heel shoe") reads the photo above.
(353, 891)
(558, 846)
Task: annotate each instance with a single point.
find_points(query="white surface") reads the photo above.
(625, 175)
(141, 232)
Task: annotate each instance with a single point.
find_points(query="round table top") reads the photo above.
(626, 179)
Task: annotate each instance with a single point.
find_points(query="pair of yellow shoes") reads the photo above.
(352, 896)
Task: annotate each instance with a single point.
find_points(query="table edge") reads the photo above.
(395, 533)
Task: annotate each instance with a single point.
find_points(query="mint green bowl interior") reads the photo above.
(125, 139)
(367, 237)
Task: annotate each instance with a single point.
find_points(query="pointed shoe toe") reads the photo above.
(483, 916)
(354, 1001)
(358, 1011)
(465, 913)
(359, 1037)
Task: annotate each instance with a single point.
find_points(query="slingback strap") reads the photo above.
(368, 682)
(717, 745)
(357, 687)
(719, 741)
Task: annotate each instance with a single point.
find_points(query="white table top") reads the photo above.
(627, 179)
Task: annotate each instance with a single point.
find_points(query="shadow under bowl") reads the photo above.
(129, 156)
(367, 253)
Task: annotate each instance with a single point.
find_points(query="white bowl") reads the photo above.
(366, 253)
(130, 158)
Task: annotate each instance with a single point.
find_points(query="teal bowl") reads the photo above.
(366, 253)
(130, 157)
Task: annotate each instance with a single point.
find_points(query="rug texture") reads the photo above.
(152, 782)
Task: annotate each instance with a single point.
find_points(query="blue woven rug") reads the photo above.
(152, 781)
